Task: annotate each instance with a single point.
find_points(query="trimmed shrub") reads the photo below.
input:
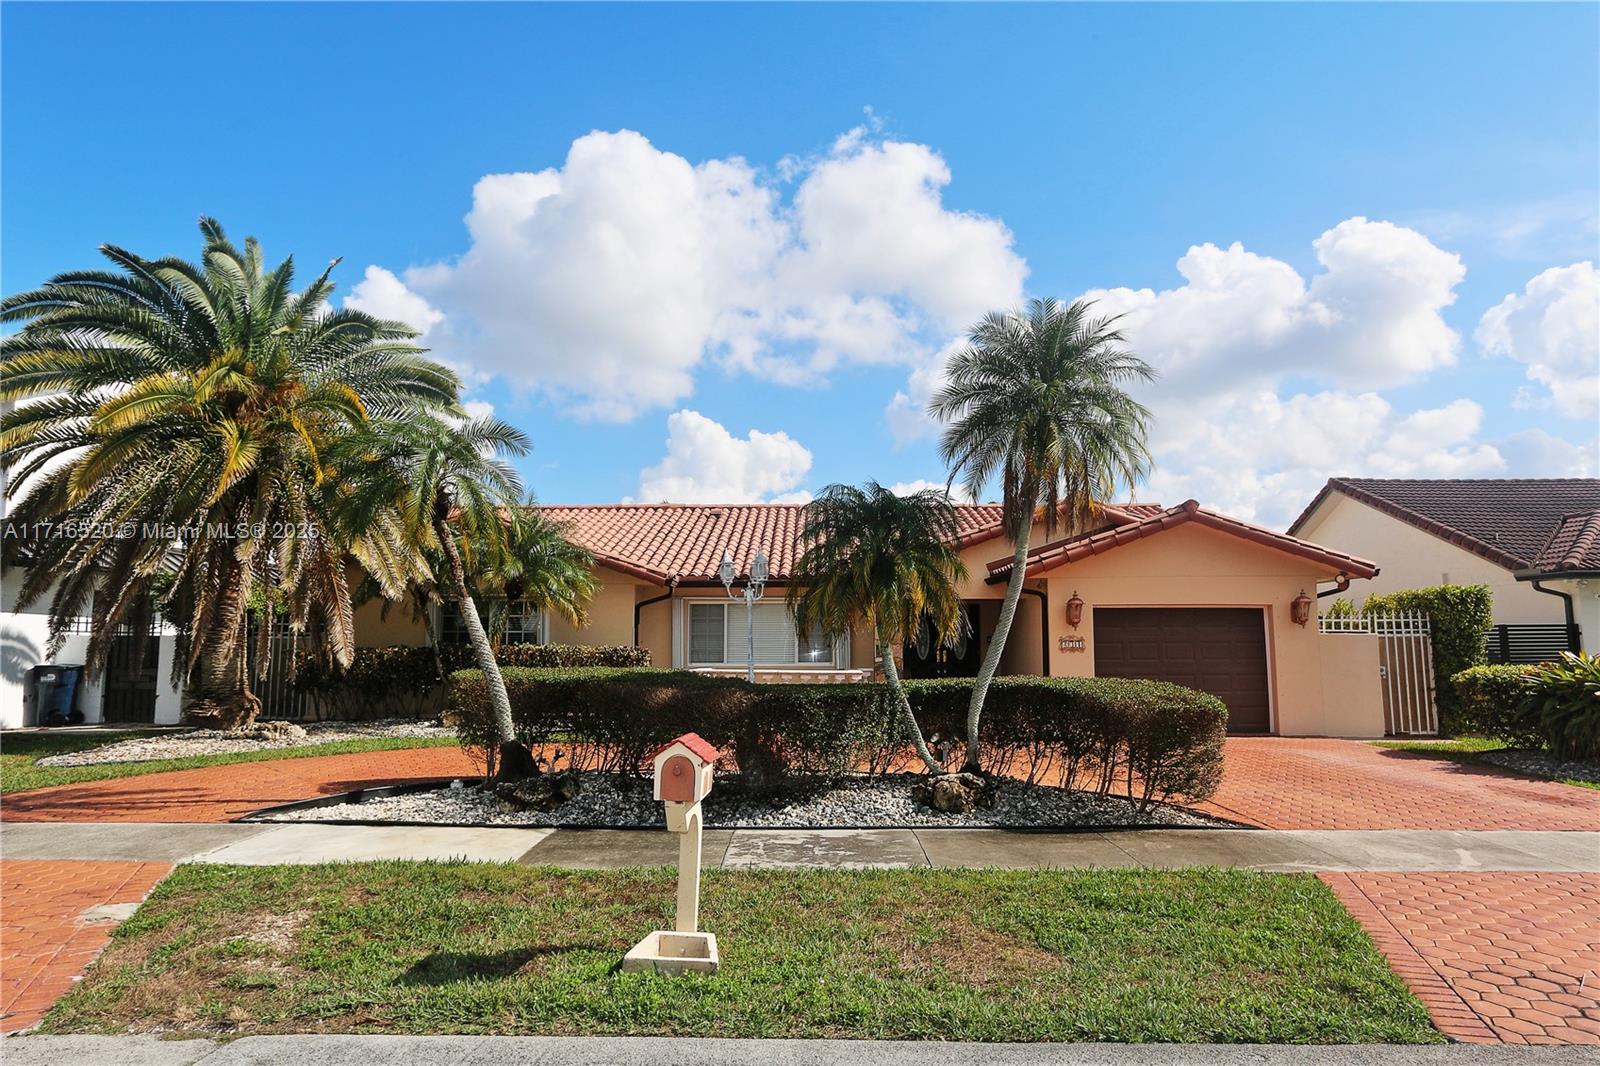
(1457, 618)
(1490, 701)
(1563, 699)
(398, 681)
(550, 656)
(1153, 741)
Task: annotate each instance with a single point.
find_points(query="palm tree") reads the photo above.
(540, 566)
(1037, 398)
(181, 417)
(457, 499)
(886, 561)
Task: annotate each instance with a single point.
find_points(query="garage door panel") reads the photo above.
(1220, 650)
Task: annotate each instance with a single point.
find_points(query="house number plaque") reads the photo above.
(1072, 644)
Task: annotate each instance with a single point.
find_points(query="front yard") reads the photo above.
(414, 948)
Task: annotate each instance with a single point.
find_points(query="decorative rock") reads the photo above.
(956, 793)
(545, 792)
(261, 735)
(853, 802)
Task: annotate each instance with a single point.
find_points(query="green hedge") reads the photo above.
(1490, 699)
(407, 681)
(549, 656)
(1151, 740)
(1458, 615)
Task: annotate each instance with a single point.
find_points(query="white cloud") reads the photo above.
(380, 294)
(907, 488)
(707, 464)
(1553, 326)
(609, 280)
(1370, 319)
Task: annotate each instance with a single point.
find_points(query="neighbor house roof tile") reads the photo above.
(1506, 521)
(1574, 547)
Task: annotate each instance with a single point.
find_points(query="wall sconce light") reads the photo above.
(1075, 610)
(1300, 609)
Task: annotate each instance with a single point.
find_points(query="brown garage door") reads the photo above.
(1220, 650)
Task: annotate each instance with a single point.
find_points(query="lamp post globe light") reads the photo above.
(750, 593)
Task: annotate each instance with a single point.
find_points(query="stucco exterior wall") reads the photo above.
(1585, 595)
(1408, 558)
(1192, 566)
(1352, 694)
(377, 628)
(610, 613)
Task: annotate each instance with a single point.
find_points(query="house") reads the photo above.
(1179, 593)
(1466, 532)
(1569, 566)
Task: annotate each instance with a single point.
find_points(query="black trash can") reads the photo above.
(55, 694)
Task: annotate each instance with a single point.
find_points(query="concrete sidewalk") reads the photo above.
(1346, 851)
(659, 1051)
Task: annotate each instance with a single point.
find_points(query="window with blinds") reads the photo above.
(717, 636)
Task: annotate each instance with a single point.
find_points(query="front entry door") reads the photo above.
(131, 669)
(925, 657)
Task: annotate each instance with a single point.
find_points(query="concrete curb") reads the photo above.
(660, 1051)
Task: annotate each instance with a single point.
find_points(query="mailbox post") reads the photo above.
(683, 774)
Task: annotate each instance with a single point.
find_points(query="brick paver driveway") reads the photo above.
(1495, 956)
(50, 928)
(225, 793)
(1291, 783)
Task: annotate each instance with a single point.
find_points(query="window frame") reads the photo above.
(732, 625)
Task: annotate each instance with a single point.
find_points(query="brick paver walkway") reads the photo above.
(1494, 956)
(1291, 783)
(224, 793)
(46, 938)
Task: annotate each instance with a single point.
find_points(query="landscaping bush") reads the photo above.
(1563, 700)
(550, 656)
(398, 681)
(1457, 618)
(1490, 701)
(1151, 740)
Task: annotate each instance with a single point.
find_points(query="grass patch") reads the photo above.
(21, 752)
(1469, 750)
(394, 947)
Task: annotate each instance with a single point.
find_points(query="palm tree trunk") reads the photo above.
(509, 764)
(222, 698)
(892, 675)
(997, 647)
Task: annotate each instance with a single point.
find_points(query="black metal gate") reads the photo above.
(132, 665)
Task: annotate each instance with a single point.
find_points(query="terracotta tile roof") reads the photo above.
(1505, 521)
(658, 542)
(695, 743)
(1059, 553)
(1574, 548)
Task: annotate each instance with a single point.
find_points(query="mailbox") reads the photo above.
(683, 769)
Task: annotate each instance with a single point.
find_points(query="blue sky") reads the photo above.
(726, 301)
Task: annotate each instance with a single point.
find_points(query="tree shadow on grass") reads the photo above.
(454, 967)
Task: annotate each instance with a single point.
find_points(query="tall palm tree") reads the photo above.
(540, 566)
(456, 497)
(181, 416)
(1037, 398)
(886, 561)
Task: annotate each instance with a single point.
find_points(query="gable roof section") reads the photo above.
(1059, 553)
(1506, 521)
(1572, 550)
(662, 542)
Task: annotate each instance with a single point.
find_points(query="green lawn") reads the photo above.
(1468, 750)
(20, 752)
(1197, 955)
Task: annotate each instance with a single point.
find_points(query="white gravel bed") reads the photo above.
(221, 742)
(1543, 764)
(852, 802)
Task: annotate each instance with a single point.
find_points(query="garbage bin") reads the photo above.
(55, 694)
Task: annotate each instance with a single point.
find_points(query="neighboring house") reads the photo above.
(1181, 594)
(1463, 532)
(1569, 565)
